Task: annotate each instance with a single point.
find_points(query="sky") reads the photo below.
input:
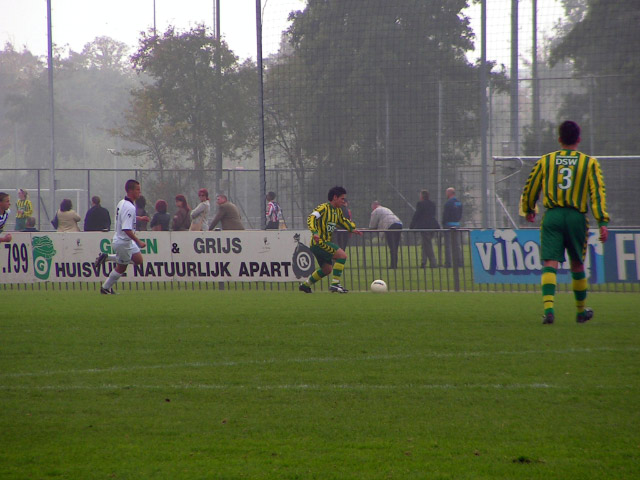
(77, 22)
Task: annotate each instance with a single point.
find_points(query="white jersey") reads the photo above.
(125, 220)
(3, 218)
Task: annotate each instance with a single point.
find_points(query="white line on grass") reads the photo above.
(309, 387)
(132, 368)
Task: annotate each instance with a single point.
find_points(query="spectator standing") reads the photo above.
(67, 217)
(30, 225)
(382, 218)
(24, 209)
(161, 219)
(322, 223)
(142, 217)
(200, 214)
(227, 215)
(5, 203)
(451, 216)
(424, 218)
(274, 212)
(182, 217)
(97, 218)
(126, 245)
(568, 179)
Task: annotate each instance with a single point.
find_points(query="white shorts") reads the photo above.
(124, 252)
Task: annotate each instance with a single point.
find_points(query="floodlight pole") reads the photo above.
(484, 117)
(52, 168)
(263, 173)
(514, 79)
(534, 74)
(218, 135)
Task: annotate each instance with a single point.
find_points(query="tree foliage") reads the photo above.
(358, 88)
(603, 47)
(90, 88)
(196, 102)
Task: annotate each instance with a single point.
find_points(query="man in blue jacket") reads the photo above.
(451, 215)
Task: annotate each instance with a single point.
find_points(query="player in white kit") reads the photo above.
(125, 245)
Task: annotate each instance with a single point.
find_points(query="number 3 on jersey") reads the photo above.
(566, 173)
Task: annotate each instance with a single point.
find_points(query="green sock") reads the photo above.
(549, 275)
(315, 276)
(579, 285)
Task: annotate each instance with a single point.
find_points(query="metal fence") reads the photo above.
(384, 98)
(370, 258)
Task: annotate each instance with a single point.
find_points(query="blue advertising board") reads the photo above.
(622, 256)
(513, 256)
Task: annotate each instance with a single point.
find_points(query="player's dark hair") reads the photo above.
(65, 205)
(130, 185)
(3, 195)
(271, 196)
(569, 132)
(336, 192)
(424, 194)
(95, 199)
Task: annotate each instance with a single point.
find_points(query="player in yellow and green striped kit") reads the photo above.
(569, 181)
(322, 222)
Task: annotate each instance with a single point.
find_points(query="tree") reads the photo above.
(90, 89)
(359, 91)
(603, 47)
(145, 126)
(201, 110)
(25, 111)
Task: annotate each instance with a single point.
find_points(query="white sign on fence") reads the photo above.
(277, 256)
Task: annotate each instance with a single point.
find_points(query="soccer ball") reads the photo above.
(378, 286)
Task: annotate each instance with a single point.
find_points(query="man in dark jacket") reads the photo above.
(451, 215)
(425, 218)
(97, 218)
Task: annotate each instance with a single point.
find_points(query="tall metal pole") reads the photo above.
(263, 172)
(218, 135)
(154, 18)
(52, 173)
(439, 151)
(534, 74)
(484, 114)
(514, 78)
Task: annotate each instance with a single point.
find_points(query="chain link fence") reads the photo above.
(384, 98)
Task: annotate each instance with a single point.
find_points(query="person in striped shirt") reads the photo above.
(569, 180)
(5, 203)
(24, 209)
(322, 222)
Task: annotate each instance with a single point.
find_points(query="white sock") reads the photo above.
(111, 258)
(114, 276)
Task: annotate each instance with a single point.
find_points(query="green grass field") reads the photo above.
(280, 385)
